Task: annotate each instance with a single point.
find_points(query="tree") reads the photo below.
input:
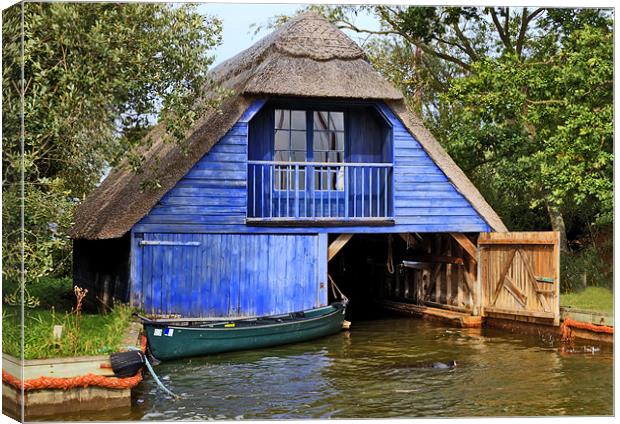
(520, 97)
(96, 78)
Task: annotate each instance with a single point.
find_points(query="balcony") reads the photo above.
(317, 193)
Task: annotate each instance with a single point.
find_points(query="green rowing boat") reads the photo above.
(171, 340)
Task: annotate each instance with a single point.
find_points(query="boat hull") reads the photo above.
(171, 342)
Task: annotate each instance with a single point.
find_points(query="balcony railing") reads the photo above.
(321, 192)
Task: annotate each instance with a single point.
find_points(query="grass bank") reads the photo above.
(599, 299)
(83, 334)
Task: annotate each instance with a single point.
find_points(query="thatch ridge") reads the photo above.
(319, 60)
(305, 57)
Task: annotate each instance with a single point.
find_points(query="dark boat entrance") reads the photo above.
(428, 269)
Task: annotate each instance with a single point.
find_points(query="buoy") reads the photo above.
(346, 324)
(126, 364)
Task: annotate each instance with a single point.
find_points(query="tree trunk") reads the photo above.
(557, 224)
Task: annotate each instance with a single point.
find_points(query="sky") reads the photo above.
(237, 19)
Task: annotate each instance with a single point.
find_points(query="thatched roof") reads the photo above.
(306, 57)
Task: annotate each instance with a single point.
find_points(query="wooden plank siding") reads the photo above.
(436, 272)
(215, 264)
(513, 271)
(212, 197)
(230, 274)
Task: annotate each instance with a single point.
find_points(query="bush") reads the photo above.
(586, 267)
(48, 291)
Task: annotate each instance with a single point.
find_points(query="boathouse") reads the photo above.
(313, 170)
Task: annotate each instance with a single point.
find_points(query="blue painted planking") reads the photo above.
(253, 270)
(426, 211)
(252, 110)
(321, 270)
(135, 282)
(224, 148)
(419, 178)
(203, 219)
(218, 277)
(214, 189)
(216, 179)
(202, 201)
(196, 210)
(215, 175)
(354, 229)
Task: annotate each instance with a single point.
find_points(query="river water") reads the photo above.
(380, 369)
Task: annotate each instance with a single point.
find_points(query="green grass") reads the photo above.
(598, 299)
(91, 334)
(97, 334)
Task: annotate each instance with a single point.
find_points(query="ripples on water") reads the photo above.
(377, 370)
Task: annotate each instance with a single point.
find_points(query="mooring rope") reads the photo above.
(334, 286)
(390, 258)
(150, 368)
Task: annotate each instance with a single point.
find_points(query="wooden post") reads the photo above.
(556, 256)
(477, 293)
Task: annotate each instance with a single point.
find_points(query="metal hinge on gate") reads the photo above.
(168, 243)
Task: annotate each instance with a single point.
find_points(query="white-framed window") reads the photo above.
(293, 143)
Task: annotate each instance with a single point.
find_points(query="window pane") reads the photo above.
(320, 157)
(298, 156)
(333, 145)
(282, 118)
(281, 141)
(321, 120)
(298, 140)
(298, 118)
(282, 156)
(336, 121)
(332, 157)
(340, 141)
(321, 141)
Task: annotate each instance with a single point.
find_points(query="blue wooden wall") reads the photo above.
(424, 199)
(212, 197)
(238, 269)
(214, 275)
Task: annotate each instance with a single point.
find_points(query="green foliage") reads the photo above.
(83, 334)
(97, 77)
(521, 98)
(585, 268)
(546, 125)
(52, 292)
(598, 299)
(98, 334)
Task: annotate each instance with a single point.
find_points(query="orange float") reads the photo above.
(72, 382)
(571, 323)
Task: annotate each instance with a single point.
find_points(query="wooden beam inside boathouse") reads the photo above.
(337, 245)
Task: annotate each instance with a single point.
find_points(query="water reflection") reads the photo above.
(377, 371)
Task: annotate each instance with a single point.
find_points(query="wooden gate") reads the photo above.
(520, 276)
